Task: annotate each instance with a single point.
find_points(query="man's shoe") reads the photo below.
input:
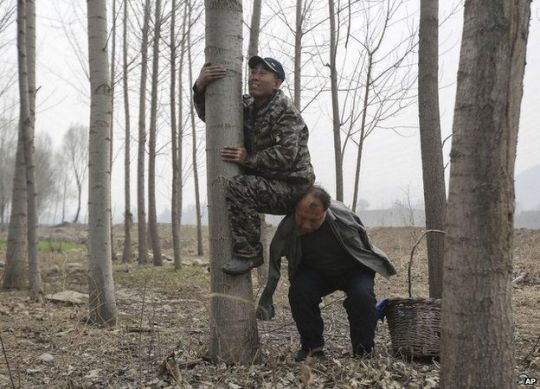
(236, 266)
(303, 353)
(361, 353)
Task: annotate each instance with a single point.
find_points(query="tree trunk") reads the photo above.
(152, 214)
(299, 33)
(102, 302)
(79, 194)
(113, 79)
(175, 220)
(254, 28)
(64, 194)
(34, 275)
(253, 49)
(28, 113)
(477, 322)
(141, 215)
(200, 250)
(128, 218)
(335, 103)
(430, 140)
(234, 337)
(176, 137)
(362, 133)
(16, 249)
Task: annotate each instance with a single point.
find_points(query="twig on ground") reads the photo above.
(141, 329)
(140, 326)
(526, 358)
(7, 362)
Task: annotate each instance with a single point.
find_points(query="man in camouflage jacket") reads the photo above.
(275, 159)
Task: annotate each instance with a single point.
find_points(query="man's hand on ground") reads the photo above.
(236, 155)
(209, 73)
(265, 312)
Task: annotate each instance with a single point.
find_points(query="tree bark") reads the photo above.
(200, 250)
(102, 302)
(141, 214)
(430, 140)
(336, 123)
(234, 337)
(128, 218)
(152, 214)
(477, 322)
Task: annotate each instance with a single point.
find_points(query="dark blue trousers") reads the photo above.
(305, 294)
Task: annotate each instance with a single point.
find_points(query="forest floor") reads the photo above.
(163, 315)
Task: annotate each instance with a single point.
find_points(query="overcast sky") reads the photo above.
(391, 168)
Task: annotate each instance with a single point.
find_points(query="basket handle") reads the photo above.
(412, 254)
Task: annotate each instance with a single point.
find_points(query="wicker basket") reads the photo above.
(414, 323)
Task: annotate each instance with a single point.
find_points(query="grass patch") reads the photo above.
(46, 246)
(162, 279)
(58, 245)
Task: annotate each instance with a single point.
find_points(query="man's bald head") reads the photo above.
(310, 211)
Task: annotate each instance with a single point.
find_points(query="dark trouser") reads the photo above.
(309, 286)
(246, 197)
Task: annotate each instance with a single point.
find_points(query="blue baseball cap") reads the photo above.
(272, 64)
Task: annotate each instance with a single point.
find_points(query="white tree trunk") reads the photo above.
(234, 337)
(102, 303)
(477, 324)
(152, 212)
(28, 88)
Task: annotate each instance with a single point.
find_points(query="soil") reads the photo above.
(162, 334)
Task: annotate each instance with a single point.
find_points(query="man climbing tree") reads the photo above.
(274, 158)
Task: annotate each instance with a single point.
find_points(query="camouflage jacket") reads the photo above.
(275, 137)
(348, 230)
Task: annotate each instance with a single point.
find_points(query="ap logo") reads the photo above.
(524, 379)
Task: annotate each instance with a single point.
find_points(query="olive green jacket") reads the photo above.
(349, 231)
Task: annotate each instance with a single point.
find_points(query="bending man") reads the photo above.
(327, 249)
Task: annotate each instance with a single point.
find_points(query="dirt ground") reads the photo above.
(163, 316)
